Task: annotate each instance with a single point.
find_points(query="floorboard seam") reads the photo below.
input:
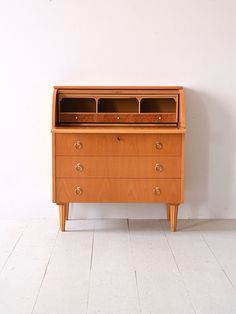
(135, 272)
(218, 262)
(45, 272)
(90, 268)
(13, 249)
(175, 261)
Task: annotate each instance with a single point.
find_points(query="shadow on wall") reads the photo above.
(209, 154)
(208, 171)
(117, 210)
(197, 152)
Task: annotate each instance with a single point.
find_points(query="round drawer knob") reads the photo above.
(79, 167)
(159, 145)
(78, 190)
(157, 191)
(159, 168)
(78, 145)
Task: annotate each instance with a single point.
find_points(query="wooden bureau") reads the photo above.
(118, 144)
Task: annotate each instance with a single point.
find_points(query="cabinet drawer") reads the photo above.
(118, 144)
(118, 167)
(118, 190)
(71, 117)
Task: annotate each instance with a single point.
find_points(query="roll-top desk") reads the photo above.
(118, 144)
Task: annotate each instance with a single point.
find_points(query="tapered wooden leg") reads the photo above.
(67, 211)
(62, 216)
(173, 217)
(168, 211)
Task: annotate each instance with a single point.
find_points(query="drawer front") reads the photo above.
(159, 118)
(118, 167)
(118, 144)
(118, 190)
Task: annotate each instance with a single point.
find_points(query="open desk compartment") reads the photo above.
(106, 110)
(118, 105)
(158, 105)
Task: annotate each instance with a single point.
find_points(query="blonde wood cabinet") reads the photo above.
(118, 144)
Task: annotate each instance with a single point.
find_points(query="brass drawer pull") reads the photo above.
(78, 145)
(159, 145)
(157, 191)
(79, 167)
(159, 167)
(78, 190)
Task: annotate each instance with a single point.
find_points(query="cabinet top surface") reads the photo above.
(120, 87)
(120, 129)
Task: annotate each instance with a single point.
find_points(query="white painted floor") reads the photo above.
(118, 267)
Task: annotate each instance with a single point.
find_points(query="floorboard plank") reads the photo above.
(66, 283)
(10, 233)
(160, 284)
(220, 236)
(112, 285)
(25, 268)
(209, 289)
(111, 266)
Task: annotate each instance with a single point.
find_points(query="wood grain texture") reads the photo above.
(108, 87)
(119, 89)
(182, 119)
(182, 163)
(109, 151)
(97, 93)
(54, 109)
(117, 118)
(168, 211)
(54, 116)
(62, 216)
(67, 211)
(118, 129)
(118, 190)
(173, 216)
(118, 167)
(117, 145)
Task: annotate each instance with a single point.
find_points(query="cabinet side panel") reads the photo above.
(54, 108)
(182, 166)
(53, 168)
(54, 113)
(181, 109)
